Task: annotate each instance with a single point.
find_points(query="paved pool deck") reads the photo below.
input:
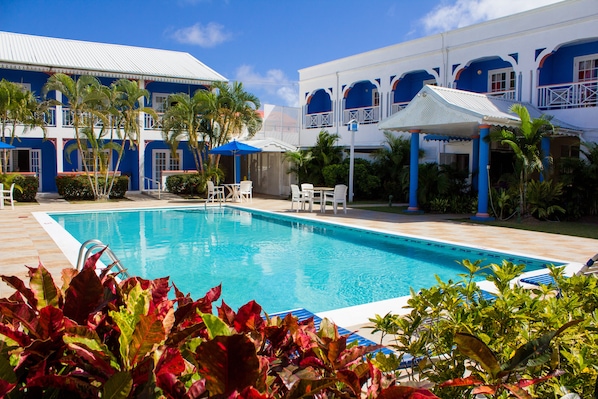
(24, 241)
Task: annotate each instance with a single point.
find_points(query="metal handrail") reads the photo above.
(151, 181)
(85, 253)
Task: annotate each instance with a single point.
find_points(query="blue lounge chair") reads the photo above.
(303, 314)
(547, 279)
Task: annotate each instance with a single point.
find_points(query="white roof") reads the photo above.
(270, 144)
(48, 54)
(444, 111)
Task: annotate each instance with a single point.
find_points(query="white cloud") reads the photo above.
(209, 35)
(461, 13)
(274, 87)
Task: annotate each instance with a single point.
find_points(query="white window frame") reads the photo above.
(577, 61)
(89, 153)
(169, 164)
(509, 80)
(159, 101)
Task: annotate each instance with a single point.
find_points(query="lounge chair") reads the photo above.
(547, 279)
(7, 195)
(215, 192)
(246, 190)
(297, 196)
(338, 196)
(303, 314)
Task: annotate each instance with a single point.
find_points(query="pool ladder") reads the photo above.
(85, 253)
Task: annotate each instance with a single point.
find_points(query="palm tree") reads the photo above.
(299, 161)
(325, 152)
(126, 99)
(229, 112)
(18, 107)
(525, 143)
(89, 103)
(392, 163)
(182, 120)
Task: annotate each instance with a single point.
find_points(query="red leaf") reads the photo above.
(91, 262)
(51, 322)
(171, 362)
(20, 287)
(403, 392)
(484, 389)
(228, 363)
(351, 379)
(251, 393)
(5, 388)
(249, 317)
(20, 337)
(462, 382)
(83, 296)
(197, 389)
(226, 314)
(311, 361)
(66, 382)
(21, 313)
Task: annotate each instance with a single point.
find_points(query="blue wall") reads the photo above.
(165, 87)
(37, 80)
(410, 85)
(470, 80)
(558, 67)
(319, 102)
(360, 95)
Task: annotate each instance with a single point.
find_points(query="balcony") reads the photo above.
(151, 124)
(569, 95)
(319, 120)
(50, 117)
(507, 94)
(365, 115)
(396, 107)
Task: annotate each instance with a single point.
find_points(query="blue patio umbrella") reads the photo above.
(235, 148)
(6, 146)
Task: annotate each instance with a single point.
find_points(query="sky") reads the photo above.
(261, 43)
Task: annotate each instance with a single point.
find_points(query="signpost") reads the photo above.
(352, 126)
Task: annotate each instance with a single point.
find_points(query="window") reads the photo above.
(103, 163)
(375, 98)
(159, 101)
(586, 68)
(501, 80)
(164, 160)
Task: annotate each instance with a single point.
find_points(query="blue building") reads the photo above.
(30, 60)
(546, 58)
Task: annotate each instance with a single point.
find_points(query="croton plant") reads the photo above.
(98, 337)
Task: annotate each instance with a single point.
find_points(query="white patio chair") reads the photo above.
(307, 189)
(246, 190)
(7, 195)
(215, 192)
(297, 197)
(338, 196)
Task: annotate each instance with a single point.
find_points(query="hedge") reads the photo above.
(78, 187)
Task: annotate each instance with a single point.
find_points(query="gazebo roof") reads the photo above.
(450, 112)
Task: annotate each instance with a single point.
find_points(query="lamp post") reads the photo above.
(353, 126)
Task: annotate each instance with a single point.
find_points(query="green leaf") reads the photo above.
(42, 285)
(216, 326)
(477, 350)
(118, 386)
(6, 371)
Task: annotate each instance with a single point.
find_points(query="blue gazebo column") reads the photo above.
(475, 162)
(545, 146)
(413, 171)
(483, 183)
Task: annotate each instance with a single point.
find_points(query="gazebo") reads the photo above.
(456, 114)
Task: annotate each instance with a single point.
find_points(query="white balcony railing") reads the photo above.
(568, 95)
(396, 107)
(151, 124)
(363, 115)
(319, 120)
(507, 95)
(67, 118)
(50, 117)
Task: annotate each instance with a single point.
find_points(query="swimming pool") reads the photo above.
(278, 261)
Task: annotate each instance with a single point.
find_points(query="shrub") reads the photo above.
(95, 337)
(77, 187)
(543, 198)
(186, 184)
(522, 331)
(26, 186)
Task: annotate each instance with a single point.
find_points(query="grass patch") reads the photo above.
(386, 209)
(575, 229)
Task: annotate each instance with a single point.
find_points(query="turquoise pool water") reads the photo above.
(281, 263)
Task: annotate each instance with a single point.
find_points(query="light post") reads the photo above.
(353, 126)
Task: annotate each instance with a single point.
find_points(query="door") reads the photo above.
(164, 160)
